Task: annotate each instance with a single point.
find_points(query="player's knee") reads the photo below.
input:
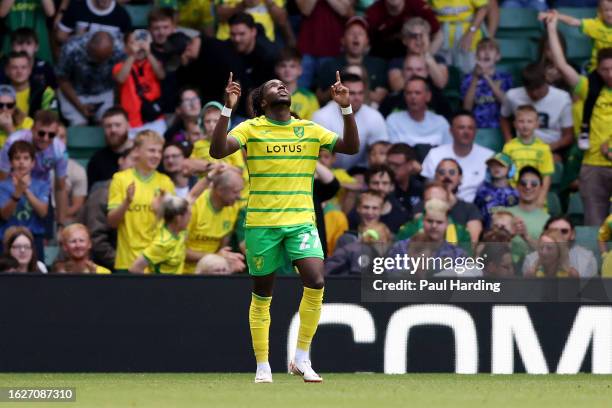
(315, 283)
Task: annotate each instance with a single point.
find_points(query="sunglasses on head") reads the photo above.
(527, 183)
(444, 172)
(9, 105)
(42, 133)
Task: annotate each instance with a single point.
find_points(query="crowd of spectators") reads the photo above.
(425, 80)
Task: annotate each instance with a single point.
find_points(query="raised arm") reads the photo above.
(569, 74)
(220, 145)
(349, 144)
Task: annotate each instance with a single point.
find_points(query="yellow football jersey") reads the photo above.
(456, 17)
(605, 231)
(260, 14)
(208, 227)
(140, 224)
(281, 158)
(601, 35)
(537, 154)
(102, 270)
(166, 254)
(304, 103)
(600, 130)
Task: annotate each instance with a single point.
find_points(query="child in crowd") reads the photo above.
(139, 78)
(166, 254)
(131, 196)
(18, 243)
(483, 90)
(24, 200)
(288, 69)
(24, 39)
(76, 243)
(377, 153)
(496, 190)
(599, 29)
(528, 150)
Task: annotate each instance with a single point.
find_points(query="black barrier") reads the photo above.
(199, 324)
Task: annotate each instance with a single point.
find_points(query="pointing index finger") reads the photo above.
(231, 77)
(337, 76)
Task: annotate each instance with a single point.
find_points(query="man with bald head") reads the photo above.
(213, 217)
(84, 76)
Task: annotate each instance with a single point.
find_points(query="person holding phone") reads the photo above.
(139, 77)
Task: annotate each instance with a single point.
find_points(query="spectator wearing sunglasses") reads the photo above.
(24, 199)
(580, 258)
(529, 210)
(50, 154)
(11, 117)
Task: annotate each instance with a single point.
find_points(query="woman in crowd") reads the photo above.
(166, 254)
(553, 258)
(77, 246)
(18, 242)
(11, 118)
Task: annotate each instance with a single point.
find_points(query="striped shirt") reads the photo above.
(281, 159)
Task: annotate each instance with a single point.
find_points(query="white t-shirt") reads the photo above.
(432, 130)
(370, 124)
(473, 166)
(554, 111)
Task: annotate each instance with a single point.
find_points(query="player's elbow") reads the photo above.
(216, 153)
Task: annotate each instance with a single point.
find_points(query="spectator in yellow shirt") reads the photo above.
(288, 69)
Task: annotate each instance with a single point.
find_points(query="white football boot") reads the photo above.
(263, 376)
(304, 370)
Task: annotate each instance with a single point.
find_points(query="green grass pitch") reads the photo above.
(338, 390)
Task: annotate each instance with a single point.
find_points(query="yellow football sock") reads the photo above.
(310, 312)
(259, 321)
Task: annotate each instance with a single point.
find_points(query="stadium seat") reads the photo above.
(557, 177)
(83, 162)
(517, 50)
(554, 204)
(139, 14)
(575, 209)
(491, 138)
(586, 236)
(518, 23)
(83, 141)
(579, 50)
(51, 252)
(454, 79)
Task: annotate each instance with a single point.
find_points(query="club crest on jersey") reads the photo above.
(226, 225)
(259, 262)
(298, 131)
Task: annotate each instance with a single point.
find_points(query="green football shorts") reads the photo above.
(265, 246)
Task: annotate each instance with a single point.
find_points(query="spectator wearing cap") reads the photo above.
(32, 95)
(414, 65)
(470, 156)
(85, 78)
(417, 125)
(416, 36)
(320, 34)
(50, 154)
(187, 110)
(355, 44)
(370, 123)
(92, 16)
(138, 77)
(103, 163)
(11, 117)
(496, 190)
(553, 106)
(386, 18)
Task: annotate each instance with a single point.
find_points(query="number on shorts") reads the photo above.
(306, 237)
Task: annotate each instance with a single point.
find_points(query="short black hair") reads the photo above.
(352, 78)
(22, 35)
(18, 54)
(533, 76)
(462, 112)
(21, 146)
(381, 168)
(530, 170)
(114, 110)
(288, 54)
(7, 262)
(404, 149)
(242, 18)
(418, 78)
(604, 54)
(563, 217)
